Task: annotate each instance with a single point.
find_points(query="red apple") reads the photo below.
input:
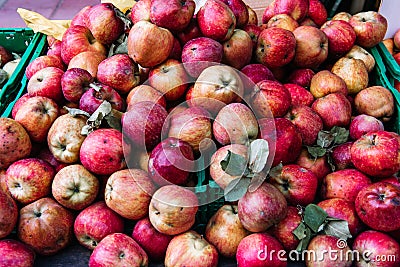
(96, 222)
(74, 83)
(176, 52)
(42, 62)
(145, 93)
(192, 31)
(240, 11)
(342, 16)
(283, 230)
(317, 12)
(262, 208)
(325, 82)
(341, 156)
(146, 236)
(376, 101)
(255, 250)
(296, 9)
(255, 73)
(143, 124)
(118, 248)
(46, 82)
(19, 103)
(93, 98)
(87, 60)
(358, 52)
(363, 124)
(5, 56)
(341, 37)
(172, 209)
(171, 161)
(216, 20)
(301, 77)
(77, 39)
(148, 44)
(141, 11)
(238, 50)
(29, 179)
(334, 110)
(344, 184)
(175, 16)
(9, 214)
(377, 154)
(299, 95)
(253, 19)
(45, 226)
(80, 17)
(319, 166)
(283, 21)
(354, 73)
(378, 249)
(16, 253)
(54, 49)
(370, 28)
(311, 47)
(199, 53)
(128, 192)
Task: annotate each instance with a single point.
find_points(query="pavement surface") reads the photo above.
(51, 9)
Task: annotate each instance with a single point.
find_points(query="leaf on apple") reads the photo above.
(316, 151)
(259, 152)
(119, 46)
(276, 171)
(337, 227)
(325, 139)
(314, 217)
(97, 117)
(341, 135)
(236, 189)
(114, 119)
(304, 234)
(76, 112)
(234, 164)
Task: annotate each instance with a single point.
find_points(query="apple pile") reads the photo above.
(120, 113)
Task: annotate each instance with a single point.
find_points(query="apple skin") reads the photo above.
(377, 244)
(170, 78)
(18, 103)
(216, 20)
(77, 39)
(103, 22)
(87, 60)
(81, 16)
(239, 9)
(377, 154)
(253, 19)
(363, 124)
(251, 251)
(172, 209)
(345, 16)
(342, 157)
(143, 124)
(74, 82)
(36, 115)
(225, 231)
(96, 222)
(235, 124)
(65, 139)
(311, 47)
(141, 11)
(146, 236)
(45, 226)
(319, 166)
(74, 187)
(199, 53)
(176, 52)
(370, 28)
(102, 152)
(334, 110)
(42, 62)
(299, 95)
(296, 9)
(341, 37)
(381, 107)
(148, 44)
(217, 174)
(389, 44)
(354, 73)
(127, 187)
(171, 161)
(317, 12)
(16, 253)
(262, 208)
(283, 21)
(297, 184)
(238, 50)
(118, 248)
(275, 47)
(301, 76)
(46, 155)
(288, 140)
(344, 184)
(92, 99)
(307, 121)
(253, 31)
(29, 179)
(46, 82)
(320, 245)
(5, 56)
(325, 82)
(283, 230)
(385, 196)
(358, 52)
(175, 16)
(255, 73)
(145, 92)
(344, 210)
(8, 212)
(192, 31)
(270, 98)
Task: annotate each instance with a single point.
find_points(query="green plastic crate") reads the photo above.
(387, 59)
(22, 41)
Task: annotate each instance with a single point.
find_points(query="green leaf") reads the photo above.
(316, 151)
(234, 164)
(341, 135)
(76, 112)
(330, 162)
(114, 119)
(325, 139)
(120, 46)
(314, 217)
(300, 231)
(236, 189)
(276, 171)
(303, 244)
(259, 152)
(337, 227)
